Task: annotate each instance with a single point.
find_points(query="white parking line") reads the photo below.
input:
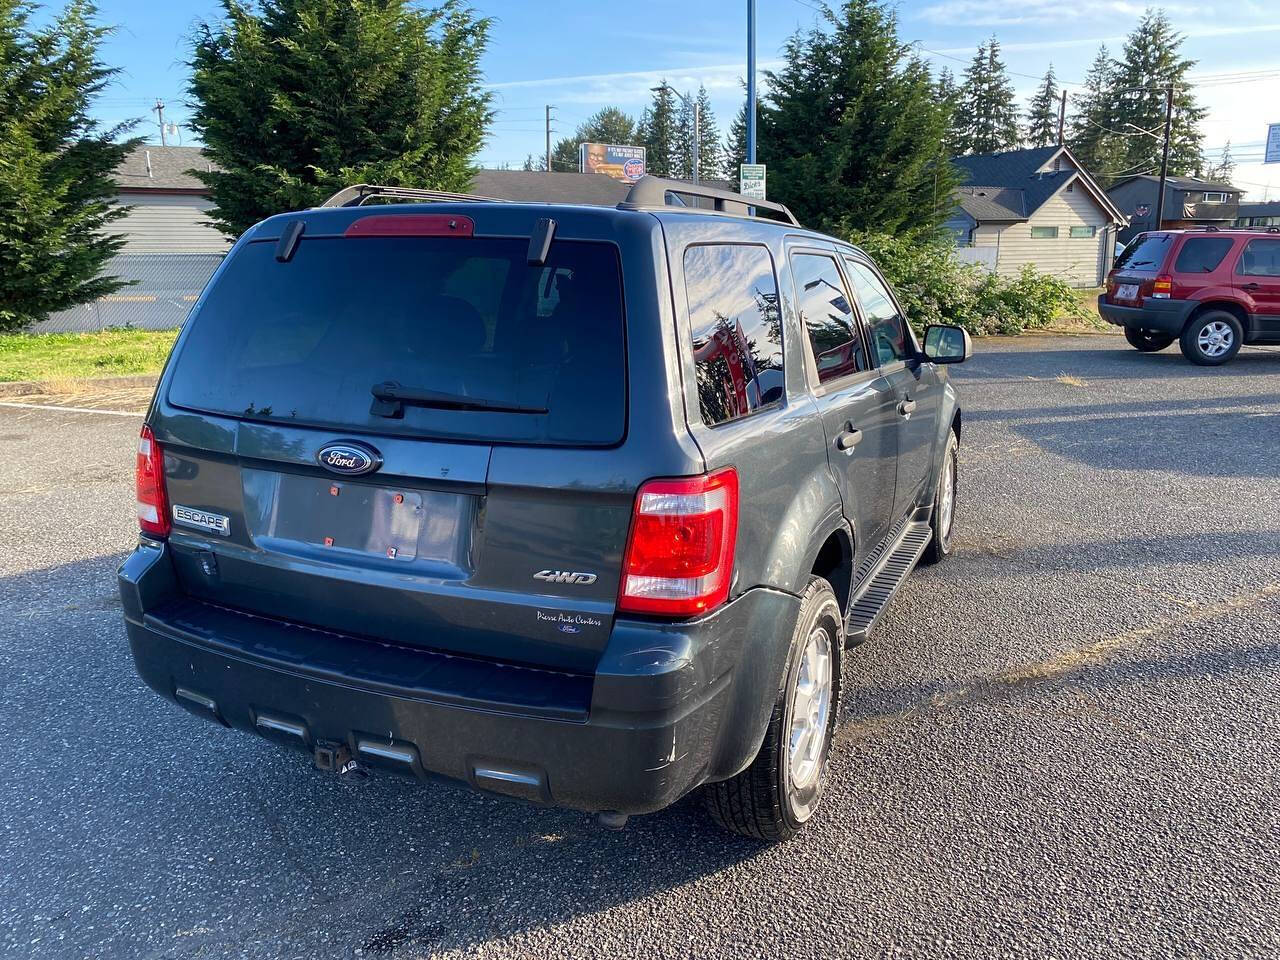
(50, 406)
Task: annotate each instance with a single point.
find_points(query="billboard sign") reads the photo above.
(751, 180)
(622, 162)
(1272, 154)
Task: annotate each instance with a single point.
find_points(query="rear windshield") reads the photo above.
(1147, 252)
(463, 319)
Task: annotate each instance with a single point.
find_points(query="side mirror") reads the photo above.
(944, 343)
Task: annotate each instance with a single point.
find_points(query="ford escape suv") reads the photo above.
(1211, 290)
(574, 504)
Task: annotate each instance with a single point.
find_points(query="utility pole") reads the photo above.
(550, 107)
(1062, 118)
(1164, 159)
(751, 81)
(159, 109)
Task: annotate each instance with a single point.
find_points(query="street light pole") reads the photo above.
(751, 81)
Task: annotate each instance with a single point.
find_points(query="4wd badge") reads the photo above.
(565, 576)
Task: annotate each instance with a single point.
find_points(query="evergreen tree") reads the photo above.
(658, 133)
(532, 163)
(735, 148)
(709, 164)
(1042, 113)
(55, 164)
(606, 125)
(1221, 171)
(851, 128)
(1093, 121)
(298, 98)
(1151, 62)
(987, 115)
(948, 96)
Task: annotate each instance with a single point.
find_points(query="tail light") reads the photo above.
(153, 502)
(1162, 287)
(679, 557)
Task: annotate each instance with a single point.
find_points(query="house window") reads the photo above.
(1077, 232)
(1044, 233)
(1215, 197)
(1071, 188)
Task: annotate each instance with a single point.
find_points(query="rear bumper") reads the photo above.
(669, 707)
(1162, 316)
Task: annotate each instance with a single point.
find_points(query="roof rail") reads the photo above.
(357, 194)
(649, 192)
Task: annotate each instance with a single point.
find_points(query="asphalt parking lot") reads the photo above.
(1064, 741)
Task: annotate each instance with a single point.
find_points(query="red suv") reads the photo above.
(1212, 290)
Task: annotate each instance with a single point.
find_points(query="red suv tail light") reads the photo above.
(153, 502)
(1162, 287)
(679, 557)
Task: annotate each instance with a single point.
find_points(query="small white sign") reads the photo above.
(751, 181)
(1272, 154)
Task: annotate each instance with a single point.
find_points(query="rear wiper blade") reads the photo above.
(389, 399)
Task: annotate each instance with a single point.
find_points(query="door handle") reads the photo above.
(1250, 286)
(848, 438)
(907, 407)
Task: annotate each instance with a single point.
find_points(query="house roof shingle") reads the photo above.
(1014, 186)
(169, 166)
(1262, 208)
(1186, 183)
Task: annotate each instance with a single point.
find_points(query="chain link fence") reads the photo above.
(162, 290)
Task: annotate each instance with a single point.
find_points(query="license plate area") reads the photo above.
(349, 517)
(1127, 291)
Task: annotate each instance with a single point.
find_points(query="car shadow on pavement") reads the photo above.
(1220, 444)
(1118, 362)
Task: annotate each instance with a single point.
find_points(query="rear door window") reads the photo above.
(828, 317)
(1261, 258)
(1146, 253)
(736, 329)
(1202, 254)
(466, 319)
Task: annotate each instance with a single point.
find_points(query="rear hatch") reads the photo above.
(1133, 278)
(411, 438)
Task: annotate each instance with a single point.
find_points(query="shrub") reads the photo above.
(935, 287)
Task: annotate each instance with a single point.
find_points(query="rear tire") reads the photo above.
(943, 521)
(778, 793)
(1147, 342)
(1212, 338)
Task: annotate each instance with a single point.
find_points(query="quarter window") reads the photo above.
(1261, 258)
(890, 338)
(1202, 254)
(736, 329)
(828, 317)
(1044, 233)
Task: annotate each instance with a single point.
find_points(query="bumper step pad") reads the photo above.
(880, 586)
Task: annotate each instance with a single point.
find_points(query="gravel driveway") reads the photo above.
(1064, 741)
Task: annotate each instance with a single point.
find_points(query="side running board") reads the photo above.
(883, 582)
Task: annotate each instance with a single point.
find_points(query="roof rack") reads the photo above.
(357, 194)
(649, 192)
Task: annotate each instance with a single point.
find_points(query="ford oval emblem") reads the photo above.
(349, 457)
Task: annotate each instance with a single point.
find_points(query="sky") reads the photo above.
(581, 55)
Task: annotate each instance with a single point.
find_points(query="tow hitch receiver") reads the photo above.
(331, 756)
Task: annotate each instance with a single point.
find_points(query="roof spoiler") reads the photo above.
(650, 192)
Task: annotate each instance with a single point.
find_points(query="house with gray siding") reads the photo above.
(1189, 202)
(1037, 207)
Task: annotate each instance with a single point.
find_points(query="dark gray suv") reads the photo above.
(574, 504)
